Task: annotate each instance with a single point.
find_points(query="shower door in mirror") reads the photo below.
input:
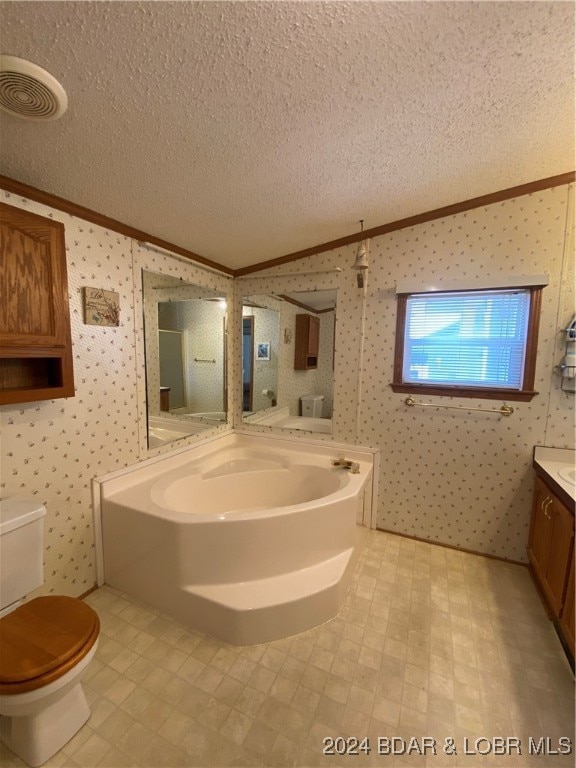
(185, 345)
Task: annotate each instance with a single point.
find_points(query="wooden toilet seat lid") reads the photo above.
(42, 639)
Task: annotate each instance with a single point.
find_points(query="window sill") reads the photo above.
(483, 393)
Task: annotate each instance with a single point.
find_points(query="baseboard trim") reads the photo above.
(453, 546)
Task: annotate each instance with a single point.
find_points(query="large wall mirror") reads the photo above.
(185, 347)
(288, 359)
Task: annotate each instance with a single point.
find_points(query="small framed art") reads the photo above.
(263, 350)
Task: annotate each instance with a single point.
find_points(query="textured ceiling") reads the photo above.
(247, 130)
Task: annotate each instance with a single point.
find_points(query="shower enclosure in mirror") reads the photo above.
(288, 359)
(185, 345)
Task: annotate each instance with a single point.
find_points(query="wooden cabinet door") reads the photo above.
(568, 611)
(313, 336)
(34, 309)
(307, 342)
(35, 342)
(550, 544)
(540, 531)
(561, 545)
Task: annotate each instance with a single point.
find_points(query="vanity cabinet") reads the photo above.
(35, 343)
(567, 617)
(307, 342)
(551, 555)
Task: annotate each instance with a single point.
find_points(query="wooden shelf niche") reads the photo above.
(35, 342)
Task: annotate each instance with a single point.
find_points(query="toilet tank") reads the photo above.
(311, 405)
(21, 549)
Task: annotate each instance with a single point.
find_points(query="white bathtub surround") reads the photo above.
(246, 537)
(280, 417)
(162, 430)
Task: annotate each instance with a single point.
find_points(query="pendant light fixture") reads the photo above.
(361, 262)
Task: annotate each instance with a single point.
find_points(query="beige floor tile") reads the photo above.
(260, 738)
(228, 690)
(193, 702)
(78, 740)
(176, 727)
(116, 759)
(134, 742)
(115, 725)
(241, 669)
(329, 712)
(213, 714)
(250, 701)
(283, 689)
(430, 641)
(92, 750)
(236, 726)
(262, 679)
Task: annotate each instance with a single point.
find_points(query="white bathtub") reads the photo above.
(212, 415)
(162, 430)
(248, 538)
(306, 423)
(280, 417)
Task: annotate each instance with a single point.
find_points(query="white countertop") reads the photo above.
(552, 460)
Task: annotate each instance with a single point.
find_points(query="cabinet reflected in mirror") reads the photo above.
(288, 359)
(185, 346)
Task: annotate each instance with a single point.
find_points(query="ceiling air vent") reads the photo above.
(28, 91)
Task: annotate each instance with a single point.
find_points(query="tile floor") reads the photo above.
(430, 643)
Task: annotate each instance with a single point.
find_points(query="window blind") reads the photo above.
(469, 338)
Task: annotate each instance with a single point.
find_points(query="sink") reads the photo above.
(568, 474)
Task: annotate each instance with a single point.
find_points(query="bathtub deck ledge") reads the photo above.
(286, 587)
(263, 610)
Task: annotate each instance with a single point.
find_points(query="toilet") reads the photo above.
(311, 405)
(46, 644)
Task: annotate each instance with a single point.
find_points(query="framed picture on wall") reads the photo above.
(263, 350)
(101, 307)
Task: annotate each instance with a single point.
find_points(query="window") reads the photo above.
(472, 343)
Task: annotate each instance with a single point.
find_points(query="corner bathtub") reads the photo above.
(162, 430)
(247, 538)
(280, 417)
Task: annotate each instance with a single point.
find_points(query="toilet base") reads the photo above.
(35, 738)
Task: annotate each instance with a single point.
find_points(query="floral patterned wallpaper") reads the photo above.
(460, 477)
(51, 450)
(287, 383)
(457, 477)
(454, 477)
(560, 416)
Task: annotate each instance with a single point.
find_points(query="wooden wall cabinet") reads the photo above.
(551, 555)
(307, 341)
(35, 343)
